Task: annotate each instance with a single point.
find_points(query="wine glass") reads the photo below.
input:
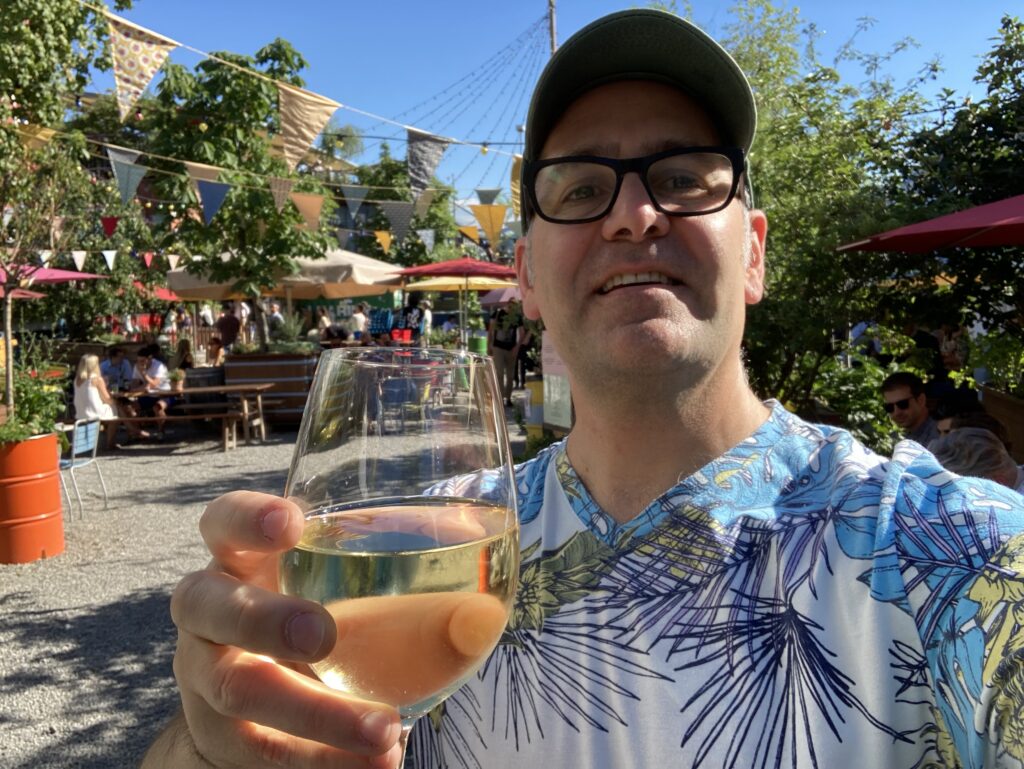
(403, 470)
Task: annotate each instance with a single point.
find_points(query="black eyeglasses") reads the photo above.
(900, 404)
(688, 181)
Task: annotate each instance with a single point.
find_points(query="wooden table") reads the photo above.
(244, 392)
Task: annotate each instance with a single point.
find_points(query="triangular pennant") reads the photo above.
(172, 260)
(128, 174)
(212, 194)
(422, 157)
(109, 225)
(514, 183)
(147, 258)
(45, 257)
(138, 53)
(427, 236)
(423, 201)
(78, 257)
(109, 257)
(491, 219)
(384, 238)
(280, 188)
(399, 213)
(201, 172)
(487, 195)
(56, 230)
(8, 215)
(303, 116)
(354, 197)
(34, 137)
(309, 205)
(471, 231)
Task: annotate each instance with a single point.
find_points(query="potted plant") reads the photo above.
(177, 379)
(31, 524)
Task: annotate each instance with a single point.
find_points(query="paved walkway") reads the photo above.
(85, 673)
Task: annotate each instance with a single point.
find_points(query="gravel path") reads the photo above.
(86, 637)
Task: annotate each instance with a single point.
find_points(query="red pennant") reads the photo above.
(109, 224)
(147, 257)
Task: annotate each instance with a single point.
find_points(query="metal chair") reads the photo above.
(84, 442)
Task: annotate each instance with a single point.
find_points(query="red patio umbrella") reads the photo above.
(50, 275)
(21, 293)
(157, 292)
(993, 224)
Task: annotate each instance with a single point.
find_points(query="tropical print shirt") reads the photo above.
(798, 602)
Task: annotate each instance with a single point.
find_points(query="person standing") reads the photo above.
(503, 347)
(228, 327)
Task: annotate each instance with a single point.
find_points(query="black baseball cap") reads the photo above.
(642, 44)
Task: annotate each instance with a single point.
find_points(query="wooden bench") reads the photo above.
(229, 423)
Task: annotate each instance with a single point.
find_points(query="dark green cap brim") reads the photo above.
(643, 45)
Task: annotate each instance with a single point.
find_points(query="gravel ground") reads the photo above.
(85, 671)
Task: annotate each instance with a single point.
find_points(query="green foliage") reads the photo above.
(38, 393)
(1001, 355)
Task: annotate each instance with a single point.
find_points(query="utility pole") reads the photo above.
(551, 25)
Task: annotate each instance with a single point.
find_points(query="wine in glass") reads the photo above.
(402, 467)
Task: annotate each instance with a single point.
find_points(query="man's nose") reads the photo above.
(634, 216)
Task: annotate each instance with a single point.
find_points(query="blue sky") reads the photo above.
(385, 57)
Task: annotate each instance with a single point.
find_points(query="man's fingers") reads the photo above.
(224, 610)
(223, 686)
(240, 524)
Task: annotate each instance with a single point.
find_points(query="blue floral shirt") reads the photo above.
(798, 602)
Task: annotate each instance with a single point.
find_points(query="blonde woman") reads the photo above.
(92, 398)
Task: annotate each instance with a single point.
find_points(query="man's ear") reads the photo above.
(753, 288)
(530, 308)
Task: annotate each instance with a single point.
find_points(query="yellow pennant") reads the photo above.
(515, 183)
(491, 219)
(384, 238)
(309, 205)
(138, 53)
(471, 231)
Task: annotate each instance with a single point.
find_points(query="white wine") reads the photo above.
(420, 588)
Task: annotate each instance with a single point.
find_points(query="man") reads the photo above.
(276, 319)
(152, 375)
(503, 347)
(360, 319)
(706, 580)
(228, 327)
(116, 369)
(907, 406)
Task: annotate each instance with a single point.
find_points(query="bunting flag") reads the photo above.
(138, 53)
(109, 225)
(212, 195)
(8, 215)
(384, 238)
(34, 137)
(109, 257)
(399, 213)
(427, 236)
(280, 188)
(515, 181)
(56, 230)
(147, 258)
(309, 205)
(354, 197)
(226, 257)
(78, 257)
(200, 172)
(303, 116)
(487, 195)
(491, 219)
(423, 201)
(172, 260)
(45, 257)
(126, 172)
(422, 158)
(471, 231)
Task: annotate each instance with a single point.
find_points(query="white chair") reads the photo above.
(84, 440)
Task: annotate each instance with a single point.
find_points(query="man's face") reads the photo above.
(904, 409)
(688, 283)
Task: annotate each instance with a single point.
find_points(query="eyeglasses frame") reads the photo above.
(639, 166)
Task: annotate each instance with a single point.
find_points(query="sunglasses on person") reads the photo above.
(901, 404)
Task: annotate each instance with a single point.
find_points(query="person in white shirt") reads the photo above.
(360, 319)
(151, 372)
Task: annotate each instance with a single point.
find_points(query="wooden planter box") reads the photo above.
(291, 375)
(1010, 411)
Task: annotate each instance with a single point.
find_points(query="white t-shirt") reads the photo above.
(158, 370)
(359, 321)
(89, 404)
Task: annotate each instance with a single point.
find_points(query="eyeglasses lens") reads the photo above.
(900, 404)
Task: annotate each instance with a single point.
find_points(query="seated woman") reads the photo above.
(92, 398)
(215, 351)
(183, 358)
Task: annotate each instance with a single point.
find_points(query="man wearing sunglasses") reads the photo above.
(905, 403)
(707, 580)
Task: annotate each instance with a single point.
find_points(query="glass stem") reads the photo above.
(403, 741)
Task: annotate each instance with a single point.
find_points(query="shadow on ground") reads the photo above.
(118, 657)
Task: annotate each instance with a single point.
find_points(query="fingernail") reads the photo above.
(305, 633)
(274, 522)
(377, 729)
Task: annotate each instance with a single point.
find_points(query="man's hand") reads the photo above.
(243, 706)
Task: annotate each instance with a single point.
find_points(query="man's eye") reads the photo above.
(580, 192)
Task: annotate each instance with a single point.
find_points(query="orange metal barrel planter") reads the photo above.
(31, 521)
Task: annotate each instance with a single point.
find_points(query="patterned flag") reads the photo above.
(280, 188)
(422, 157)
(399, 213)
(491, 219)
(172, 260)
(515, 182)
(309, 205)
(303, 116)
(109, 257)
(488, 195)
(212, 195)
(147, 258)
(138, 53)
(126, 172)
(354, 197)
(78, 257)
(109, 225)
(384, 238)
(427, 236)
